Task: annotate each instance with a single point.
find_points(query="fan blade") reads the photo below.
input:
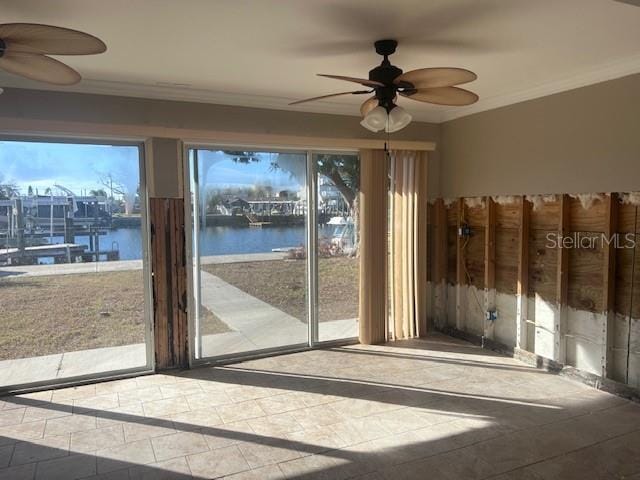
(435, 77)
(357, 92)
(47, 39)
(368, 105)
(452, 96)
(361, 81)
(39, 67)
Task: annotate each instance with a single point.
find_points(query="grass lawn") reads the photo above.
(42, 315)
(282, 284)
(64, 313)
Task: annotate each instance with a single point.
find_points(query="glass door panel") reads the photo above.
(250, 276)
(338, 264)
(73, 292)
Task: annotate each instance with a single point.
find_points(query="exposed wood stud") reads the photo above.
(609, 285)
(522, 286)
(461, 279)
(440, 263)
(489, 265)
(169, 275)
(562, 284)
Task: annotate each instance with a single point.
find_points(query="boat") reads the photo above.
(343, 236)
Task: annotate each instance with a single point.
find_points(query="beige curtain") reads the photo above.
(374, 177)
(408, 245)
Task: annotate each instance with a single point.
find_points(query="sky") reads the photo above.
(219, 170)
(79, 167)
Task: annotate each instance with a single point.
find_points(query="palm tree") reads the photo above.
(98, 193)
(8, 191)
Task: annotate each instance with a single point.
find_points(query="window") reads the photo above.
(73, 283)
(275, 246)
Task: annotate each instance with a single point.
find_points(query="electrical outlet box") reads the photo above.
(491, 315)
(464, 231)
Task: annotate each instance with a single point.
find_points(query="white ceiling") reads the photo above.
(265, 53)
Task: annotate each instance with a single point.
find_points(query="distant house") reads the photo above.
(238, 205)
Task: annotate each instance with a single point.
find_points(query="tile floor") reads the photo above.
(438, 409)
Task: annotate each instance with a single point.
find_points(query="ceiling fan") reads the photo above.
(24, 50)
(386, 82)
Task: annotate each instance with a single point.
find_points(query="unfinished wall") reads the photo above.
(577, 303)
(582, 140)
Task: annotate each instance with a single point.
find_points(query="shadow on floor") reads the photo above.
(483, 432)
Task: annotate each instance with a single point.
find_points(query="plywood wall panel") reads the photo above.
(507, 215)
(542, 266)
(452, 236)
(474, 256)
(585, 282)
(475, 216)
(586, 220)
(506, 260)
(626, 218)
(545, 216)
(452, 214)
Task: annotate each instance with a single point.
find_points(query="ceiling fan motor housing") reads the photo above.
(385, 73)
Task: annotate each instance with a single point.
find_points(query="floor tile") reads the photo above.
(240, 411)
(169, 406)
(92, 440)
(270, 451)
(217, 463)
(67, 468)
(21, 472)
(378, 412)
(228, 434)
(270, 472)
(11, 417)
(125, 456)
(178, 445)
(174, 469)
(41, 449)
(147, 428)
(70, 424)
(275, 425)
(5, 455)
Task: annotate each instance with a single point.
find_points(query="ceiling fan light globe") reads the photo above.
(375, 120)
(398, 119)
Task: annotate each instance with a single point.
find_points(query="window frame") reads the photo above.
(145, 230)
(311, 237)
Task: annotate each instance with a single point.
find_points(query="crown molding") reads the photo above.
(608, 71)
(185, 93)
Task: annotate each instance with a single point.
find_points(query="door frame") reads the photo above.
(311, 241)
(148, 314)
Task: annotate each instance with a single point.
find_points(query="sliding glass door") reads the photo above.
(250, 212)
(338, 264)
(274, 250)
(73, 282)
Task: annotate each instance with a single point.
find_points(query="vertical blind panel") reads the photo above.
(408, 244)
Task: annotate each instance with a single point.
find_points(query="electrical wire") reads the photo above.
(468, 275)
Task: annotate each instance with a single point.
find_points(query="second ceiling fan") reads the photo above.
(386, 82)
(25, 50)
